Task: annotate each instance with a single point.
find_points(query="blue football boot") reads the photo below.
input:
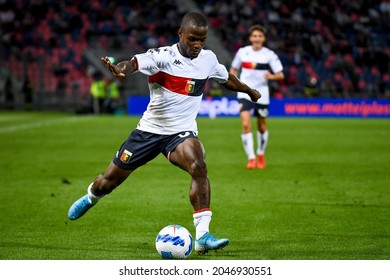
(208, 242)
(79, 208)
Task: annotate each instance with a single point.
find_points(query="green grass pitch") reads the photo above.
(325, 193)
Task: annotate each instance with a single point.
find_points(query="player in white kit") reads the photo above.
(176, 77)
(258, 65)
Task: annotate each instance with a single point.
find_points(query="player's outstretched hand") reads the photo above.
(254, 95)
(112, 67)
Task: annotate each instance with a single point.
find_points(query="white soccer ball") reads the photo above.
(174, 242)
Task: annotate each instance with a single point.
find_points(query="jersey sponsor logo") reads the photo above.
(255, 66)
(125, 157)
(177, 62)
(180, 85)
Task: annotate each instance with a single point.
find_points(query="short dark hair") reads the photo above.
(195, 19)
(257, 27)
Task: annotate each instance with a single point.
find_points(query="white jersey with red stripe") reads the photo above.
(254, 64)
(176, 85)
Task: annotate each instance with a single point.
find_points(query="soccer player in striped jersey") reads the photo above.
(176, 76)
(258, 64)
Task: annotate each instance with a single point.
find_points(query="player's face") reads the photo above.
(192, 41)
(257, 39)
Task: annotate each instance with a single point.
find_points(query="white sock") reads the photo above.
(93, 198)
(247, 142)
(201, 222)
(262, 140)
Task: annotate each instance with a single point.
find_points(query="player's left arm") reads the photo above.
(235, 84)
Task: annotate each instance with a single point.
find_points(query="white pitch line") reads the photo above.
(41, 124)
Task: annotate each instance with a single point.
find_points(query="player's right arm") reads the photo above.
(121, 69)
(235, 84)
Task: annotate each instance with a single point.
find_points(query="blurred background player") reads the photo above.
(258, 65)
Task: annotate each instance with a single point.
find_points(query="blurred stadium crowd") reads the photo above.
(328, 48)
(341, 46)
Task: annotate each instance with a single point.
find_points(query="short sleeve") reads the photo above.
(218, 71)
(220, 74)
(149, 63)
